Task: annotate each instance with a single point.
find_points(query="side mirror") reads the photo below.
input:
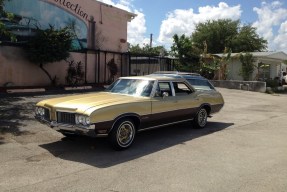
(165, 94)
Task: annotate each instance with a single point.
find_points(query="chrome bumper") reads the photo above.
(66, 128)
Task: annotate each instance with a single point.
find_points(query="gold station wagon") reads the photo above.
(129, 105)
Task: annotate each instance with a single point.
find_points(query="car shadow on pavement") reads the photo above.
(97, 152)
(13, 112)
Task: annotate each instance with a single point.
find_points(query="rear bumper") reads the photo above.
(66, 128)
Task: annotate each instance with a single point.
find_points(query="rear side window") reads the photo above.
(200, 84)
(181, 89)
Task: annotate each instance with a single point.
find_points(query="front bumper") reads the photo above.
(66, 128)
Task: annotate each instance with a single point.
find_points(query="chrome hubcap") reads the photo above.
(125, 133)
(202, 117)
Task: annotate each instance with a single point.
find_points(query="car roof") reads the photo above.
(193, 77)
(176, 73)
(155, 77)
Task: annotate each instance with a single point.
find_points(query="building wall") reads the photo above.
(234, 69)
(17, 71)
(111, 22)
(110, 34)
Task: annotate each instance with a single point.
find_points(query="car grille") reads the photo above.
(47, 114)
(66, 118)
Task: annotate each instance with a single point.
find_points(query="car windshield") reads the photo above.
(134, 87)
(200, 84)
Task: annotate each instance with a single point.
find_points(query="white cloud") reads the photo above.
(280, 40)
(122, 4)
(184, 21)
(276, 4)
(271, 17)
(137, 27)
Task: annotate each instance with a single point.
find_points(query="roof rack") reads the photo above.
(176, 72)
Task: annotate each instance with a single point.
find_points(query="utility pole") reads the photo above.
(150, 44)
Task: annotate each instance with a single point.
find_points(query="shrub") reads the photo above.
(75, 73)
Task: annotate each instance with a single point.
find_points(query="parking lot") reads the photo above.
(243, 148)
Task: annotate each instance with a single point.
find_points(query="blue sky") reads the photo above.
(156, 10)
(164, 18)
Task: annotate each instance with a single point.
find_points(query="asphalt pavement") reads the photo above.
(243, 148)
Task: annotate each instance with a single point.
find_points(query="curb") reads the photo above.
(25, 90)
(11, 92)
(78, 88)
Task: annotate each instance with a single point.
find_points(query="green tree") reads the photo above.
(225, 33)
(216, 34)
(247, 66)
(112, 66)
(49, 46)
(187, 54)
(2, 13)
(247, 40)
(136, 49)
(75, 74)
(214, 67)
(147, 50)
(4, 32)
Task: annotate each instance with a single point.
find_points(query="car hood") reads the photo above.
(81, 103)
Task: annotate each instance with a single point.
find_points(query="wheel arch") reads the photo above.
(133, 116)
(206, 106)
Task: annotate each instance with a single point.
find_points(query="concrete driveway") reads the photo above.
(243, 148)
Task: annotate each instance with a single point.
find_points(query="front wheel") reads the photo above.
(122, 134)
(200, 119)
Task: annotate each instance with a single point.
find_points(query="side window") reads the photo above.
(147, 89)
(164, 87)
(181, 89)
(200, 84)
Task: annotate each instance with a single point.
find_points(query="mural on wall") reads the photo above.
(27, 19)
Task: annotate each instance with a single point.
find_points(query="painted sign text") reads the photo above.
(76, 8)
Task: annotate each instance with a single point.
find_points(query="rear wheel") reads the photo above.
(200, 119)
(123, 134)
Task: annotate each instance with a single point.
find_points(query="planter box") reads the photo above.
(257, 86)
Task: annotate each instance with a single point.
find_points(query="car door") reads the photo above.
(187, 99)
(175, 107)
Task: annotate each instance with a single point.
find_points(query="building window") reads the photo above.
(264, 71)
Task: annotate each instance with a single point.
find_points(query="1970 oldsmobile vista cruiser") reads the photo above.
(129, 105)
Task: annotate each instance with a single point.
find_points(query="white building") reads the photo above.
(267, 65)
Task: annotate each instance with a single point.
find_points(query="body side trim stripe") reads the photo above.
(163, 125)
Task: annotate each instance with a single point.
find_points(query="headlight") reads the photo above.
(82, 119)
(87, 120)
(77, 119)
(36, 111)
(40, 111)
